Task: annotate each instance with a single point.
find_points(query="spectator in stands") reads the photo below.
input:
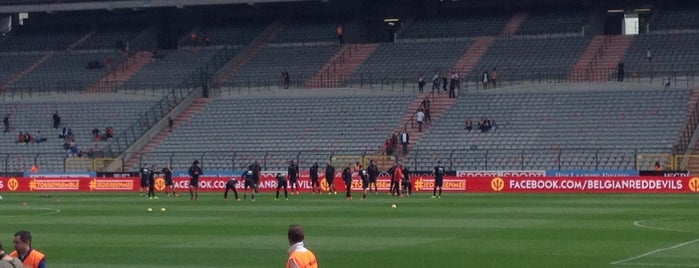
(405, 140)
(6, 123)
(20, 138)
(394, 142)
(656, 167)
(63, 134)
(485, 78)
(96, 134)
(421, 83)
(426, 107)
(56, 119)
(108, 133)
(193, 38)
(38, 138)
(620, 72)
(340, 31)
(668, 82)
(285, 78)
(435, 82)
(207, 39)
(468, 126)
(445, 82)
(454, 84)
(389, 146)
(170, 123)
(494, 77)
(649, 56)
(419, 117)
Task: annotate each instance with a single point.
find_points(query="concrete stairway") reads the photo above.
(693, 162)
(24, 72)
(225, 73)
(182, 118)
(438, 104)
(473, 54)
(341, 66)
(514, 23)
(599, 60)
(122, 73)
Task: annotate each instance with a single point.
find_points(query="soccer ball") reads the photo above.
(393, 206)
(0, 197)
(162, 209)
(149, 209)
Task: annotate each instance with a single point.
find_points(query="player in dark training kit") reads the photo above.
(330, 177)
(249, 185)
(373, 171)
(194, 173)
(438, 179)
(313, 173)
(293, 172)
(151, 183)
(230, 185)
(281, 182)
(364, 175)
(347, 178)
(169, 185)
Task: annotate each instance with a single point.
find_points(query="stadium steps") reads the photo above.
(28, 70)
(599, 60)
(438, 104)
(127, 69)
(182, 118)
(341, 66)
(693, 162)
(473, 54)
(249, 52)
(81, 40)
(514, 23)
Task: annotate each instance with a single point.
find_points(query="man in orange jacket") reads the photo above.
(30, 257)
(299, 256)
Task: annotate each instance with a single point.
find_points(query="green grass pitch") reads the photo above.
(460, 230)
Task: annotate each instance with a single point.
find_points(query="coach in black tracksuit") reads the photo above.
(347, 178)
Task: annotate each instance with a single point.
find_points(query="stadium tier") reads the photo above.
(168, 68)
(441, 26)
(79, 112)
(275, 129)
(671, 54)
(545, 127)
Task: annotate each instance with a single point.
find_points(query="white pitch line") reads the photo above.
(621, 262)
(641, 224)
(658, 264)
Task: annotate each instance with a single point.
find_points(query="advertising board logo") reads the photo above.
(324, 186)
(497, 184)
(694, 184)
(419, 184)
(12, 184)
(160, 184)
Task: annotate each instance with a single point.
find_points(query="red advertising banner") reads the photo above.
(420, 183)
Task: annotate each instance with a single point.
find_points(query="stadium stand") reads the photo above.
(531, 58)
(175, 65)
(80, 112)
(40, 40)
(405, 61)
(677, 17)
(546, 127)
(66, 71)
(439, 26)
(670, 53)
(554, 21)
(306, 126)
(266, 67)
(309, 30)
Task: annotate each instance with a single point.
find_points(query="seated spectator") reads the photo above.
(468, 125)
(96, 134)
(63, 133)
(38, 138)
(109, 133)
(20, 138)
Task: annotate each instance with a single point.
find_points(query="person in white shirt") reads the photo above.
(420, 117)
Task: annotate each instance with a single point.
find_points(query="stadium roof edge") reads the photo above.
(127, 4)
